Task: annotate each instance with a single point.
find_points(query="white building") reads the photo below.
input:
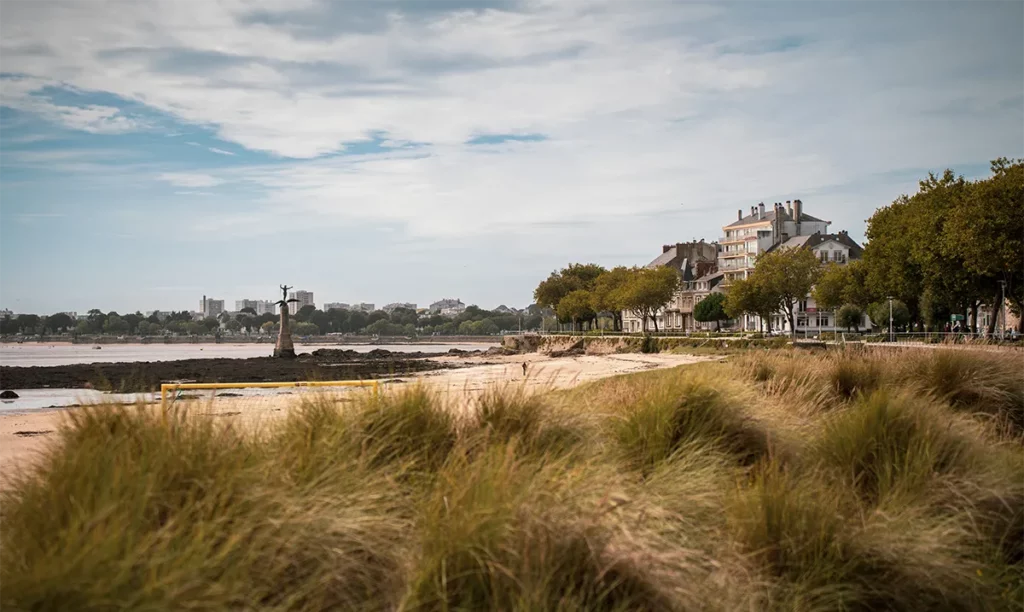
(259, 306)
(693, 261)
(305, 298)
(336, 306)
(448, 307)
(364, 307)
(209, 307)
(749, 236)
(389, 308)
(829, 248)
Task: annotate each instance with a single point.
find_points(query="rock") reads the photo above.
(8, 394)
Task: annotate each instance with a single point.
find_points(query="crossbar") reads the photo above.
(164, 388)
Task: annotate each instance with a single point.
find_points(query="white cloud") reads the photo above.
(647, 108)
(189, 179)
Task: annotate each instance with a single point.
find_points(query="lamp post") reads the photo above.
(890, 318)
(1002, 309)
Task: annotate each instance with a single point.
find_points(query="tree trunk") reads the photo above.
(974, 318)
(654, 319)
(996, 312)
(792, 321)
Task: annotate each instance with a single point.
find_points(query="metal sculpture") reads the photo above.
(284, 348)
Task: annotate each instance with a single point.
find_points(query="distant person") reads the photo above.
(524, 368)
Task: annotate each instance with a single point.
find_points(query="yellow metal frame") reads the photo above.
(164, 388)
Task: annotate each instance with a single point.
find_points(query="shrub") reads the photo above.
(506, 414)
(412, 426)
(684, 411)
(885, 446)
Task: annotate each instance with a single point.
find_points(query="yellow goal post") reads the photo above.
(174, 387)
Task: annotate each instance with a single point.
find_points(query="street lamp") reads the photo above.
(890, 318)
(1002, 308)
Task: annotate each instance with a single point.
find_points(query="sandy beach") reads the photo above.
(23, 434)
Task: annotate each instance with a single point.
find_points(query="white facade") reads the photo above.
(749, 236)
(336, 306)
(305, 298)
(448, 307)
(389, 308)
(209, 307)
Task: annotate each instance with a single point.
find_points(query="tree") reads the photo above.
(210, 323)
(302, 315)
(575, 307)
(377, 315)
(747, 296)
(59, 322)
(849, 316)
(233, 326)
(304, 328)
(194, 328)
(607, 294)
(788, 276)
(986, 231)
(115, 325)
(648, 290)
(560, 284)
(711, 308)
(268, 327)
(841, 284)
(879, 314)
(322, 320)
(247, 310)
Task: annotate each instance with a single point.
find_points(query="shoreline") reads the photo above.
(458, 378)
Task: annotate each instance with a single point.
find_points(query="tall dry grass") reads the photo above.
(900, 487)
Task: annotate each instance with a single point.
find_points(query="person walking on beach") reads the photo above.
(524, 369)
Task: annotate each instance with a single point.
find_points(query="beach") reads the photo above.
(23, 434)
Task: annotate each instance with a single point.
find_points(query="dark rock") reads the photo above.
(7, 394)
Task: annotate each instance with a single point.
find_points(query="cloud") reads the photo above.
(532, 116)
(189, 179)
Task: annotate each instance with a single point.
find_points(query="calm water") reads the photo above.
(66, 354)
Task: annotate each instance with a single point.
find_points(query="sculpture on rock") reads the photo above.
(284, 347)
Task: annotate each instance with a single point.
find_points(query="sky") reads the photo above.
(154, 152)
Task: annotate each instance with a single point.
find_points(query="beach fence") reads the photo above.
(172, 391)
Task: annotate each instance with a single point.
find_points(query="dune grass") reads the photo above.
(851, 480)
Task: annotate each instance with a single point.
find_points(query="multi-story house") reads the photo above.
(389, 308)
(336, 306)
(448, 307)
(751, 235)
(210, 307)
(829, 248)
(693, 261)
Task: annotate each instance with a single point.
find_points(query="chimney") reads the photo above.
(739, 214)
(798, 208)
(753, 211)
(665, 248)
(760, 210)
(789, 208)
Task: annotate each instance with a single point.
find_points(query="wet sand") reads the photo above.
(22, 435)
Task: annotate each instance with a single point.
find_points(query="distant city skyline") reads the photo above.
(401, 151)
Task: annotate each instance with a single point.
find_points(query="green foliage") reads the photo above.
(711, 308)
(648, 290)
(576, 307)
(850, 317)
(879, 314)
(750, 296)
(786, 276)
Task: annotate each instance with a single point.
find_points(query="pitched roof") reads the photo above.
(815, 239)
(769, 215)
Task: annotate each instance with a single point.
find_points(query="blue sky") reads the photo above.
(153, 152)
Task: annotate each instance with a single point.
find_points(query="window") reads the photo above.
(837, 255)
(803, 305)
(824, 256)
(801, 321)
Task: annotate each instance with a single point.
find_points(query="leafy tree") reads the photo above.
(850, 316)
(95, 319)
(133, 320)
(986, 231)
(233, 326)
(249, 310)
(560, 284)
(304, 328)
(210, 323)
(787, 275)
(841, 284)
(83, 327)
(356, 321)
(576, 308)
(711, 308)
(268, 327)
(748, 296)
(404, 316)
(376, 315)
(194, 328)
(607, 294)
(302, 315)
(60, 322)
(115, 325)
(879, 314)
(648, 291)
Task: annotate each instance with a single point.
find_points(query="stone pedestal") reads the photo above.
(284, 348)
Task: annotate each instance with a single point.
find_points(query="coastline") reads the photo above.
(23, 434)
